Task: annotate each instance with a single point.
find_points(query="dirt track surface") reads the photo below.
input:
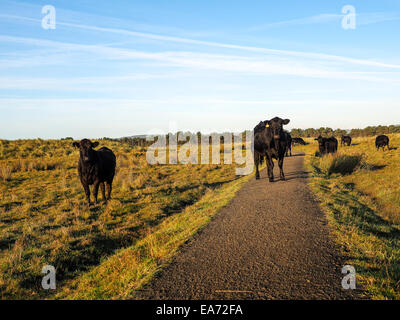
(270, 242)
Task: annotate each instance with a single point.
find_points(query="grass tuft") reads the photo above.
(5, 172)
(342, 164)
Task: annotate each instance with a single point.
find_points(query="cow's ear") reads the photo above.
(76, 144)
(267, 123)
(95, 144)
(286, 121)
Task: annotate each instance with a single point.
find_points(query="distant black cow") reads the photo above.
(345, 140)
(270, 141)
(95, 168)
(288, 144)
(382, 141)
(327, 145)
(298, 141)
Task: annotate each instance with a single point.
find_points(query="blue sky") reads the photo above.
(118, 68)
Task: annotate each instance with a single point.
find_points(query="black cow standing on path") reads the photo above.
(95, 168)
(345, 140)
(270, 141)
(382, 141)
(327, 145)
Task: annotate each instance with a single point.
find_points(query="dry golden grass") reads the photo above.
(44, 219)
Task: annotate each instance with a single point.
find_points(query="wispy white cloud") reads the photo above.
(320, 18)
(301, 65)
(310, 55)
(361, 18)
(260, 50)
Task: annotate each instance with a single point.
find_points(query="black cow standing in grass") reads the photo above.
(345, 140)
(327, 145)
(382, 141)
(298, 141)
(270, 141)
(95, 168)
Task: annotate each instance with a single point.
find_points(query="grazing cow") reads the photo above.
(95, 168)
(270, 141)
(382, 141)
(327, 145)
(298, 141)
(288, 144)
(345, 140)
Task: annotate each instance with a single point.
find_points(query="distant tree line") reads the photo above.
(135, 141)
(141, 141)
(366, 132)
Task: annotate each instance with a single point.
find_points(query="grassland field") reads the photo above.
(104, 251)
(110, 251)
(359, 188)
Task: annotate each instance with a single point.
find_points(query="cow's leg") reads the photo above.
(95, 191)
(103, 191)
(87, 192)
(109, 188)
(256, 163)
(280, 163)
(270, 164)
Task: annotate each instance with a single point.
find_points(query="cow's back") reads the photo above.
(107, 161)
(382, 140)
(262, 138)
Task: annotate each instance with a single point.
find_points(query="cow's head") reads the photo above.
(86, 149)
(320, 140)
(276, 126)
